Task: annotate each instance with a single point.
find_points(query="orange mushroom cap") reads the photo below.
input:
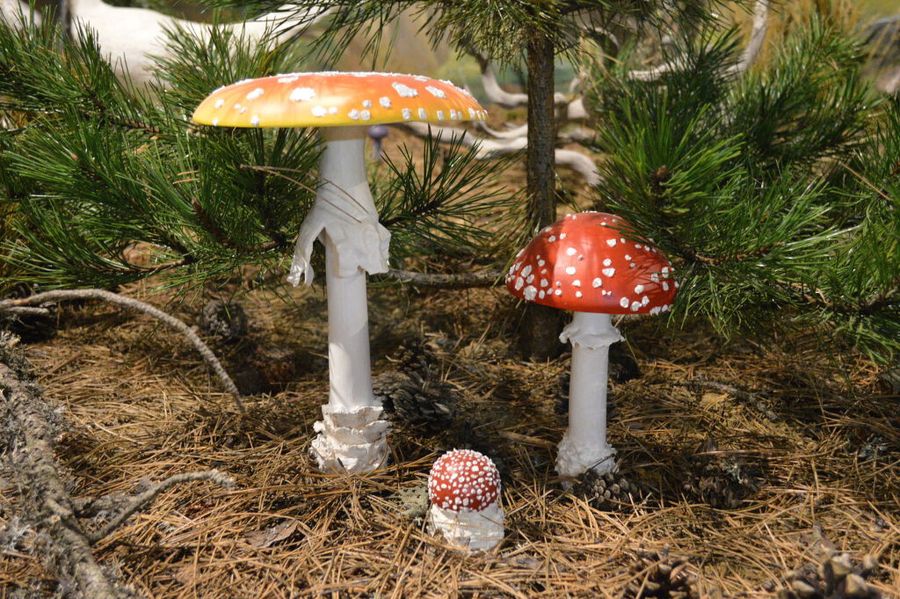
(335, 99)
(587, 263)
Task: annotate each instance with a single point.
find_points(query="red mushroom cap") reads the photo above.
(587, 263)
(463, 479)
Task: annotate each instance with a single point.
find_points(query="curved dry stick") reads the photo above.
(491, 148)
(107, 296)
(138, 501)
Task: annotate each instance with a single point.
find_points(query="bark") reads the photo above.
(28, 430)
(538, 336)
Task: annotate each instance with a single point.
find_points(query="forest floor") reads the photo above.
(749, 462)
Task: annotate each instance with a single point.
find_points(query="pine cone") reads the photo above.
(837, 577)
(658, 574)
(723, 482)
(413, 393)
(226, 320)
(609, 492)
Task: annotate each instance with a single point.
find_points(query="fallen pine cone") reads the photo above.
(225, 320)
(721, 480)
(837, 577)
(610, 492)
(659, 574)
(413, 393)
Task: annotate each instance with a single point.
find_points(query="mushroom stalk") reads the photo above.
(584, 445)
(351, 433)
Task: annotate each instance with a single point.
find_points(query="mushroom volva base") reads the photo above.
(468, 529)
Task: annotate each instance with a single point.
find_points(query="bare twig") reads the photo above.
(448, 281)
(136, 502)
(139, 306)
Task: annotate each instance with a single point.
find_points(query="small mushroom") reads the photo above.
(352, 434)
(464, 490)
(591, 264)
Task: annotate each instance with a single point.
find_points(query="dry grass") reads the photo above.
(142, 407)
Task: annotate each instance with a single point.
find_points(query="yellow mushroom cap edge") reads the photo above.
(336, 99)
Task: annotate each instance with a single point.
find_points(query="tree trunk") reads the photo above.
(540, 326)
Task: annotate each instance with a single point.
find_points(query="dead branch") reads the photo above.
(446, 281)
(493, 148)
(28, 433)
(139, 306)
(133, 504)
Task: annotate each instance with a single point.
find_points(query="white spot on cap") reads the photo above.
(645, 300)
(404, 91)
(576, 283)
(557, 292)
(611, 242)
(288, 79)
(353, 114)
(219, 103)
(545, 283)
(332, 110)
(577, 294)
(665, 286)
(256, 93)
(654, 277)
(563, 235)
(552, 238)
(635, 306)
(520, 282)
(440, 115)
(302, 94)
(571, 251)
(609, 271)
(385, 101)
(319, 111)
(435, 91)
(215, 122)
(607, 262)
(367, 103)
(423, 114)
(526, 271)
(407, 114)
(597, 282)
(365, 115)
(624, 302)
(254, 120)
(530, 292)
(639, 289)
(628, 256)
(471, 113)
(570, 270)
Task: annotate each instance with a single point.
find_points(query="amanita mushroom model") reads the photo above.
(352, 434)
(589, 263)
(464, 490)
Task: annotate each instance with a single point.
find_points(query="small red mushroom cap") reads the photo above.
(463, 479)
(590, 262)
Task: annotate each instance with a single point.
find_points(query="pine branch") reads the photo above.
(445, 281)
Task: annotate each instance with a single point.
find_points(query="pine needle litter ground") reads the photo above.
(746, 465)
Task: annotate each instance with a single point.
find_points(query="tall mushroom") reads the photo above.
(590, 263)
(343, 218)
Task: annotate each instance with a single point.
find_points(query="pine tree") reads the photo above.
(510, 32)
(776, 192)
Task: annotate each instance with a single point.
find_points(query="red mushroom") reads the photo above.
(591, 264)
(464, 490)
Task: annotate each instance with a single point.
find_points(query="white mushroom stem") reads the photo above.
(352, 435)
(584, 445)
(476, 531)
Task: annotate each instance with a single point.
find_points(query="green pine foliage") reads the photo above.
(774, 192)
(103, 184)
